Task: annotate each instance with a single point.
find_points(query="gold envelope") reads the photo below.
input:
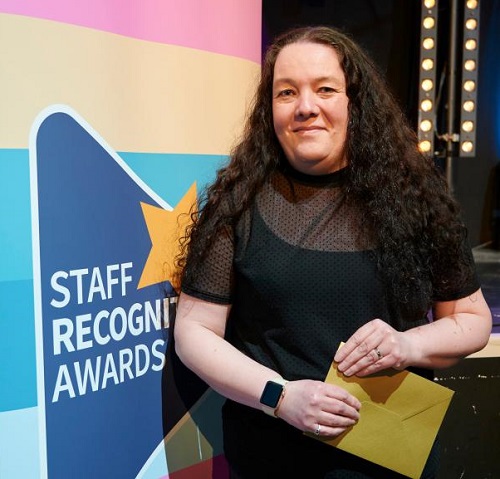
(400, 416)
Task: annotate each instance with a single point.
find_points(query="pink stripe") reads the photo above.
(229, 27)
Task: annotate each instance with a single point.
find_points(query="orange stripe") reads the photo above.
(140, 96)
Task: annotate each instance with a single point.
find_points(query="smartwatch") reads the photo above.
(272, 395)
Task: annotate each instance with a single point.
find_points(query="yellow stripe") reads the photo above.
(140, 96)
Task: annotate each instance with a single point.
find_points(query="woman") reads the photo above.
(326, 226)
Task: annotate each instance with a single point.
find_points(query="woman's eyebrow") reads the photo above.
(326, 78)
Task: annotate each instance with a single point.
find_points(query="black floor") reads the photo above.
(470, 433)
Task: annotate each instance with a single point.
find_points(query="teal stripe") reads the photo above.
(17, 350)
(171, 175)
(15, 216)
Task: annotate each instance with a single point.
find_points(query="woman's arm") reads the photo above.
(200, 344)
(459, 328)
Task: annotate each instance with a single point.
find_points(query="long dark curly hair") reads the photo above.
(408, 210)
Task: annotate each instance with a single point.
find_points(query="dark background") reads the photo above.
(390, 31)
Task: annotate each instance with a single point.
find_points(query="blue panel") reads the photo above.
(17, 353)
(15, 215)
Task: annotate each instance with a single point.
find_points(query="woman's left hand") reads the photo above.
(373, 347)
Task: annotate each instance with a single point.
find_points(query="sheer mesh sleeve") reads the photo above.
(212, 280)
(450, 284)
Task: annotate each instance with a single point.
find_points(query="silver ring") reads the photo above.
(379, 354)
(318, 430)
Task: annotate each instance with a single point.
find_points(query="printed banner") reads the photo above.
(102, 305)
(104, 119)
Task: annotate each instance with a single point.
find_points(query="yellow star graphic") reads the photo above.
(165, 229)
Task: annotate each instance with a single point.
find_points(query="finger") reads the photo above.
(322, 430)
(333, 431)
(370, 360)
(327, 431)
(336, 420)
(334, 408)
(360, 341)
(373, 368)
(338, 409)
(342, 398)
(367, 355)
(368, 350)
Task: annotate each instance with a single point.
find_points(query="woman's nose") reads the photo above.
(307, 105)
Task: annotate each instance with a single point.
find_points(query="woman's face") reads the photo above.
(310, 107)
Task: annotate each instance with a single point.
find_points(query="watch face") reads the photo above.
(271, 394)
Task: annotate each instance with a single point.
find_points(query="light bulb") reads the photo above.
(427, 64)
(470, 65)
(468, 126)
(427, 84)
(426, 125)
(471, 24)
(424, 146)
(470, 44)
(469, 85)
(429, 22)
(467, 146)
(426, 105)
(428, 43)
(469, 106)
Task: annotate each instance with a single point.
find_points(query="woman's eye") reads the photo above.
(326, 89)
(287, 92)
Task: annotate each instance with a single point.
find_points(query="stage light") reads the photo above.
(425, 146)
(428, 43)
(467, 146)
(426, 105)
(470, 58)
(468, 126)
(427, 85)
(427, 64)
(469, 106)
(427, 76)
(471, 24)
(426, 125)
(429, 23)
(469, 85)
(470, 44)
(470, 65)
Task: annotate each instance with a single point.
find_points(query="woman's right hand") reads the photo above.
(308, 404)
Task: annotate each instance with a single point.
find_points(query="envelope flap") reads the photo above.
(381, 437)
(399, 419)
(402, 392)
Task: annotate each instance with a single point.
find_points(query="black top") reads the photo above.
(300, 274)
